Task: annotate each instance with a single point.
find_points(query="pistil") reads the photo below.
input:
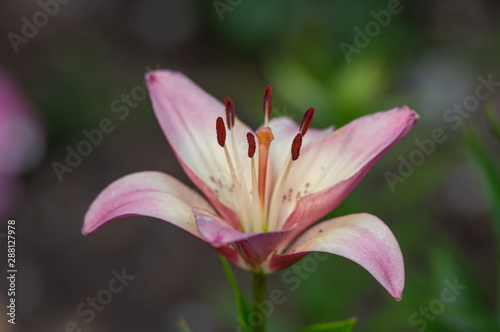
(265, 136)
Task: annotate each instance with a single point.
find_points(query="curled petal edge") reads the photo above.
(362, 238)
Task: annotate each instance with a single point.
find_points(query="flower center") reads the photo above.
(257, 212)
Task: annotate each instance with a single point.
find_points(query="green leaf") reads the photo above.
(493, 119)
(342, 326)
(241, 303)
(182, 325)
(491, 180)
(488, 169)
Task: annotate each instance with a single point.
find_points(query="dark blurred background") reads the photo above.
(87, 56)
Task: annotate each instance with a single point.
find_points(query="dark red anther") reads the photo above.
(297, 143)
(267, 101)
(306, 120)
(221, 131)
(229, 112)
(251, 145)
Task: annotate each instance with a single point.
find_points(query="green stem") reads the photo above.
(259, 297)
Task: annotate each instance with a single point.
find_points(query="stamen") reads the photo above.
(267, 104)
(221, 131)
(297, 143)
(306, 120)
(255, 193)
(229, 113)
(278, 190)
(221, 139)
(251, 145)
(265, 136)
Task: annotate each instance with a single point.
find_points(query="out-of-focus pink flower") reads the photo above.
(21, 139)
(265, 195)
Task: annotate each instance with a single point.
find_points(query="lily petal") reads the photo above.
(215, 230)
(151, 194)
(331, 166)
(187, 116)
(255, 246)
(362, 238)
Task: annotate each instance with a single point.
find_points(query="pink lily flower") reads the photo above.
(263, 196)
(22, 140)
